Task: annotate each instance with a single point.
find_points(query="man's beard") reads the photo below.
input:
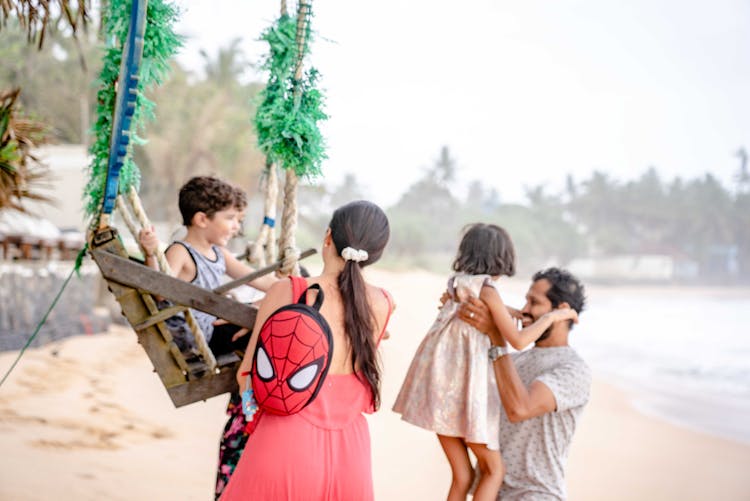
(544, 335)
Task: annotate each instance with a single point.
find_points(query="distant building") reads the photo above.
(67, 164)
(637, 268)
(49, 230)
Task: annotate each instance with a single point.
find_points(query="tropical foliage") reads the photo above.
(38, 18)
(291, 105)
(160, 43)
(693, 220)
(203, 119)
(204, 125)
(20, 171)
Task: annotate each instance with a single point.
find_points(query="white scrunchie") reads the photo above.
(350, 254)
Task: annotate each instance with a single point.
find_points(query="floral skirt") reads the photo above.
(232, 442)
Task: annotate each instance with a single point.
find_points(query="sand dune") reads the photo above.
(86, 418)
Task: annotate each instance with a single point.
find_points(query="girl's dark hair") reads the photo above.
(363, 226)
(485, 249)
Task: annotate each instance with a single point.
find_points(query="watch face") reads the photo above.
(496, 352)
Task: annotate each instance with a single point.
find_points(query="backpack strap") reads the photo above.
(299, 285)
(387, 317)
(299, 291)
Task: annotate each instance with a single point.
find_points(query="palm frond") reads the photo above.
(21, 173)
(37, 16)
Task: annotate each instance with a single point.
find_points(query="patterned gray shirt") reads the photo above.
(209, 275)
(535, 450)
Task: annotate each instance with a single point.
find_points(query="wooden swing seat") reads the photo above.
(135, 287)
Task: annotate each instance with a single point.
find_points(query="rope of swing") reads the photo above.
(76, 267)
(262, 250)
(287, 242)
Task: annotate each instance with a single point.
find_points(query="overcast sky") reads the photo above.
(523, 92)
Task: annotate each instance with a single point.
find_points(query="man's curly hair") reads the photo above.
(564, 288)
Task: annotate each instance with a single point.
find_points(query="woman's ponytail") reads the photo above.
(360, 231)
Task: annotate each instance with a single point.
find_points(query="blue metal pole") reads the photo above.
(127, 90)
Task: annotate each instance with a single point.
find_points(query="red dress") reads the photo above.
(320, 453)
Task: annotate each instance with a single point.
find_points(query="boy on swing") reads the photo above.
(212, 211)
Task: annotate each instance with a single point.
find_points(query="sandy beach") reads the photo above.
(86, 418)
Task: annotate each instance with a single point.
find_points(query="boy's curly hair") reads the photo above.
(209, 195)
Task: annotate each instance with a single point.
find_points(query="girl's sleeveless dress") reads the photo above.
(320, 453)
(450, 386)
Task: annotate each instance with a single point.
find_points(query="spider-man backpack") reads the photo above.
(293, 354)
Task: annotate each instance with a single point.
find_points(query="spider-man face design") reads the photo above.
(291, 360)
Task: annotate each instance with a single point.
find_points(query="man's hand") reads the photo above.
(475, 313)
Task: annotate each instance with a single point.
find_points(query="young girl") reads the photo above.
(450, 387)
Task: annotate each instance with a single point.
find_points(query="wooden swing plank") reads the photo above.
(159, 317)
(223, 288)
(129, 273)
(180, 378)
(157, 348)
(161, 328)
(204, 387)
(167, 360)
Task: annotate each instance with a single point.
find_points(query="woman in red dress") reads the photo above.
(323, 451)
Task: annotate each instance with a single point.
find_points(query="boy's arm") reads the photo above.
(237, 269)
(507, 325)
(180, 263)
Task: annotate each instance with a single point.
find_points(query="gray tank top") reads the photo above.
(209, 275)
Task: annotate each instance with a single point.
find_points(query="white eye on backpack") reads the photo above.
(264, 367)
(304, 377)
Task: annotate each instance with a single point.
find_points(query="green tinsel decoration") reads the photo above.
(287, 118)
(160, 44)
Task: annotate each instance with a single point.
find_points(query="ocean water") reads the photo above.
(684, 354)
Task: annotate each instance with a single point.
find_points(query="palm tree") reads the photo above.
(20, 171)
(39, 17)
(228, 66)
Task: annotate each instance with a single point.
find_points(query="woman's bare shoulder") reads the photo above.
(279, 292)
(380, 300)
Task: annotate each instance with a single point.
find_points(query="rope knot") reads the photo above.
(290, 260)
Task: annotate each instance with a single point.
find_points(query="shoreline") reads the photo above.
(641, 456)
(85, 418)
(722, 416)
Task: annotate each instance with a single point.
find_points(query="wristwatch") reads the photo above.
(496, 352)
